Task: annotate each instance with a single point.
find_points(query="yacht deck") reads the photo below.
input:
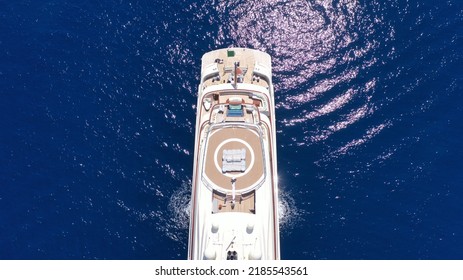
(234, 212)
(234, 138)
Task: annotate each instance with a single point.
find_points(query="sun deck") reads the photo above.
(234, 190)
(230, 138)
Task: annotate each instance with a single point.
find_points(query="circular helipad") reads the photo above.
(234, 138)
(234, 144)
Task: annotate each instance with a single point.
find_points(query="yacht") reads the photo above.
(234, 198)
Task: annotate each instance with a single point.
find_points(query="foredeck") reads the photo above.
(222, 63)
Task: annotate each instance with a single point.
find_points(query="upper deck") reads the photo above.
(234, 105)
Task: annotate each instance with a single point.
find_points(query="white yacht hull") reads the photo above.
(234, 199)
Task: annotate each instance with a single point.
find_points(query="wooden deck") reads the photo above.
(234, 138)
(226, 68)
(243, 203)
(219, 68)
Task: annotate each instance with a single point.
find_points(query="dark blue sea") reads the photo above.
(97, 116)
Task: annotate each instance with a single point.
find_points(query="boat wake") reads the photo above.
(290, 215)
(176, 225)
(177, 220)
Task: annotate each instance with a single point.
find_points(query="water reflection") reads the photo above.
(319, 50)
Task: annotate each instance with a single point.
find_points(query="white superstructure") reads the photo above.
(234, 201)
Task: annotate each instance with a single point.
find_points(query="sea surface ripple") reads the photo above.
(98, 111)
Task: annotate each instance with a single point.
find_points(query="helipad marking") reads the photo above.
(248, 168)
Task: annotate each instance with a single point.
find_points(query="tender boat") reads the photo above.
(234, 198)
